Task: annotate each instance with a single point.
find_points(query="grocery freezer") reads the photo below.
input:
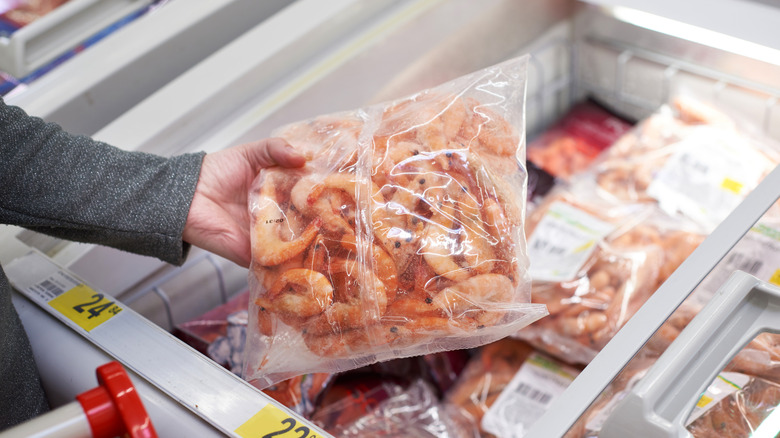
(310, 59)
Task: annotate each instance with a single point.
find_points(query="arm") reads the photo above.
(76, 188)
(79, 189)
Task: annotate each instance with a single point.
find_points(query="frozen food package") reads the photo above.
(23, 12)
(733, 405)
(594, 263)
(486, 375)
(402, 235)
(539, 381)
(300, 393)
(574, 141)
(689, 158)
(413, 411)
(506, 365)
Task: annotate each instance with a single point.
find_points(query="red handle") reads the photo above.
(114, 408)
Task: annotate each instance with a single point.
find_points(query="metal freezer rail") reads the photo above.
(213, 393)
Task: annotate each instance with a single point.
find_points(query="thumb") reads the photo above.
(273, 152)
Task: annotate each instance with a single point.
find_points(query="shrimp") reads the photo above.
(301, 292)
(477, 243)
(268, 248)
(476, 296)
(492, 133)
(383, 264)
(360, 311)
(439, 245)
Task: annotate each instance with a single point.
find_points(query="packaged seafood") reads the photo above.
(539, 381)
(220, 334)
(572, 143)
(688, 157)
(402, 235)
(493, 370)
(758, 254)
(595, 261)
(413, 411)
(734, 404)
(20, 13)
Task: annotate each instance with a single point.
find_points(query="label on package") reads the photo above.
(563, 241)
(757, 253)
(723, 386)
(708, 175)
(526, 398)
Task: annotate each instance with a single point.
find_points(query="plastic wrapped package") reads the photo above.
(758, 254)
(402, 235)
(539, 381)
(220, 334)
(23, 12)
(595, 261)
(413, 411)
(300, 393)
(486, 375)
(494, 369)
(689, 158)
(572, 143)
(734, 404)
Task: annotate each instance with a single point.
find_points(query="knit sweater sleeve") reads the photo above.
(80, 189)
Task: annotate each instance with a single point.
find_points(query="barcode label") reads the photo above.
(52, 288)
(534, 394)
(743, 262)
(562, 242)
(527, 396)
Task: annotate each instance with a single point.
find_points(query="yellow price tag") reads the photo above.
(732, 186)
(272, 422)
(775, 279)
(704, 401)
(87, 308)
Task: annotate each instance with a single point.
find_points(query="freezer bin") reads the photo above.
(577, 50)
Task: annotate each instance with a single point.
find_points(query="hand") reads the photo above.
(219, 220)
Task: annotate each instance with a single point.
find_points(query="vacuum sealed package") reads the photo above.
(574, 141)
(594, 263)
(402, 235)
(689, 158)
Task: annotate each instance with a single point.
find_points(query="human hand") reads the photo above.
(219, 220)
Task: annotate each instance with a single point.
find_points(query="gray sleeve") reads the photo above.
(80, 189)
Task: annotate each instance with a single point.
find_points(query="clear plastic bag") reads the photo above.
(595, 261)
(403, 234)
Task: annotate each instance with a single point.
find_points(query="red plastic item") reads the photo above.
(114, 408)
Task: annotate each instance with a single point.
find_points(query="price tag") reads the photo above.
(85, 307)
(708, 175)
(563, 241)
(272, 422)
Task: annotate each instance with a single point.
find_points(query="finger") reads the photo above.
(273, 152)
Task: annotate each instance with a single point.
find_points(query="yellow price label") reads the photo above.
(272, 422)
(704, 401)
(87, 308)
(732, 186)
(775, 279)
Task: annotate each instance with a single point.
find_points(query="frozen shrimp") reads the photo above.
(439, 245)
(268, 248)
(476, 296)
(302, 292)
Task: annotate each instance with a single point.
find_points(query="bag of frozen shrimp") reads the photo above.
(403, 234)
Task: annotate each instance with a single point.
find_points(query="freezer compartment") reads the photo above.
(577, 50)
